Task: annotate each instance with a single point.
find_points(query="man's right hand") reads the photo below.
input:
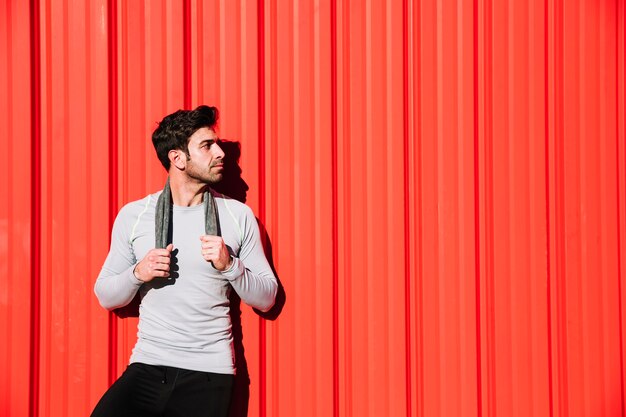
(156, 264)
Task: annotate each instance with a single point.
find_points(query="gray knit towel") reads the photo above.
(163, 216)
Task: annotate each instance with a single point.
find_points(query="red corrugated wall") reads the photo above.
(442, 183)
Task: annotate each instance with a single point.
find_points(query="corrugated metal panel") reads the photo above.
(442, 185)
(15, 210)
(443, 70)
(371, 210)
(72, 349)
(583, 212)
(298, 205)
(515, 371)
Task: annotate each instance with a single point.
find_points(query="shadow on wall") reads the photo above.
(234, 186)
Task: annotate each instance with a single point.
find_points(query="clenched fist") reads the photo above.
(156, 264)
(214, 250)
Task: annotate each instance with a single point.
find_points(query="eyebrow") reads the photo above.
(212, 140)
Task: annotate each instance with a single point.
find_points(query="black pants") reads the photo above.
(147, 390)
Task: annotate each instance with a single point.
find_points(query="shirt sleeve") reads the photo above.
(116, 284)
(250, 274)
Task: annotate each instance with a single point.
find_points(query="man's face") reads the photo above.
(206, 158)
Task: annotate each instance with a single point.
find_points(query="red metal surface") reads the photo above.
(15, 210)
(442, 185)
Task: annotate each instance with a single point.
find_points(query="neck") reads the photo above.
(186, 192)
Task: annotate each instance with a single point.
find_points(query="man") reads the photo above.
(183, 249)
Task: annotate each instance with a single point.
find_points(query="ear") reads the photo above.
(177, 158)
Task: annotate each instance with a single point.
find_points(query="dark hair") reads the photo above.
(175, 129)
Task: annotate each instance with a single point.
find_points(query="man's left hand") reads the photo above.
(214, 250)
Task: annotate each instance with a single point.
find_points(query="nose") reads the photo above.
(217, 151)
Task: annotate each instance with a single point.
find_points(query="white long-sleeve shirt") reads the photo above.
(184, 321)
